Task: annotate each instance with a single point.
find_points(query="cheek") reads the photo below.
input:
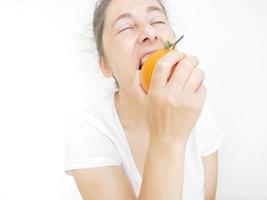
(123, 50)
(167, 34)
(122, 61)
(124, 76)
(124, 46)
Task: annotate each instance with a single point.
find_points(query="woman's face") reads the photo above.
(132, 29)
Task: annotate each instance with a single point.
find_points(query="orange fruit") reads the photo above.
(150, 63)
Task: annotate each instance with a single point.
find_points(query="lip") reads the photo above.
(145, 54)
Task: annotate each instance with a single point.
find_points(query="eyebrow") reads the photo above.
(129, 15)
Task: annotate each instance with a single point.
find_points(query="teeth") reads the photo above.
(144, 59)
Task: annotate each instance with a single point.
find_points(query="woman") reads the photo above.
(132, 145)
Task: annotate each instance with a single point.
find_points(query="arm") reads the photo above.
(171, 117)
(210, 164)
(103, 183)
(163, 173)
(111, 183)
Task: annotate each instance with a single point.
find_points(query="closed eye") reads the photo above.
(158, 22)
(126, 28)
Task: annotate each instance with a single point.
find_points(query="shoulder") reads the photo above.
(92, 115)
(91, 122)
(88, 140)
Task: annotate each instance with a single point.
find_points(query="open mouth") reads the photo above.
(144, 59)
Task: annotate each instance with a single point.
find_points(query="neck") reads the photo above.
(131, 112)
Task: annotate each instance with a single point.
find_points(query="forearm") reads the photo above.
(163, 172)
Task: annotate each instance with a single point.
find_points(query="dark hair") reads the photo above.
(99, 21)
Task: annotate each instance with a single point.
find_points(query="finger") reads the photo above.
(201, 94)
(162, 70)
(182, 72)
(195, 79)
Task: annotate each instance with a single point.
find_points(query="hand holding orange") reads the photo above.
(150, 63)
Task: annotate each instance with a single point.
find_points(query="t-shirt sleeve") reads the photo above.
(208, 133)
(86, 146)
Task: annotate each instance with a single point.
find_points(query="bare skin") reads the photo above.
(159, 123)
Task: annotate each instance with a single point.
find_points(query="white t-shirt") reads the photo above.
(95, 138)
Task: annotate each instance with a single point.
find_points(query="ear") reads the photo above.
(105, 68)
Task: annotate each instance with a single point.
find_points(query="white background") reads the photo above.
(48, 73)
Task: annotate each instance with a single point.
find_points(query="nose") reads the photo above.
(147, 34)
